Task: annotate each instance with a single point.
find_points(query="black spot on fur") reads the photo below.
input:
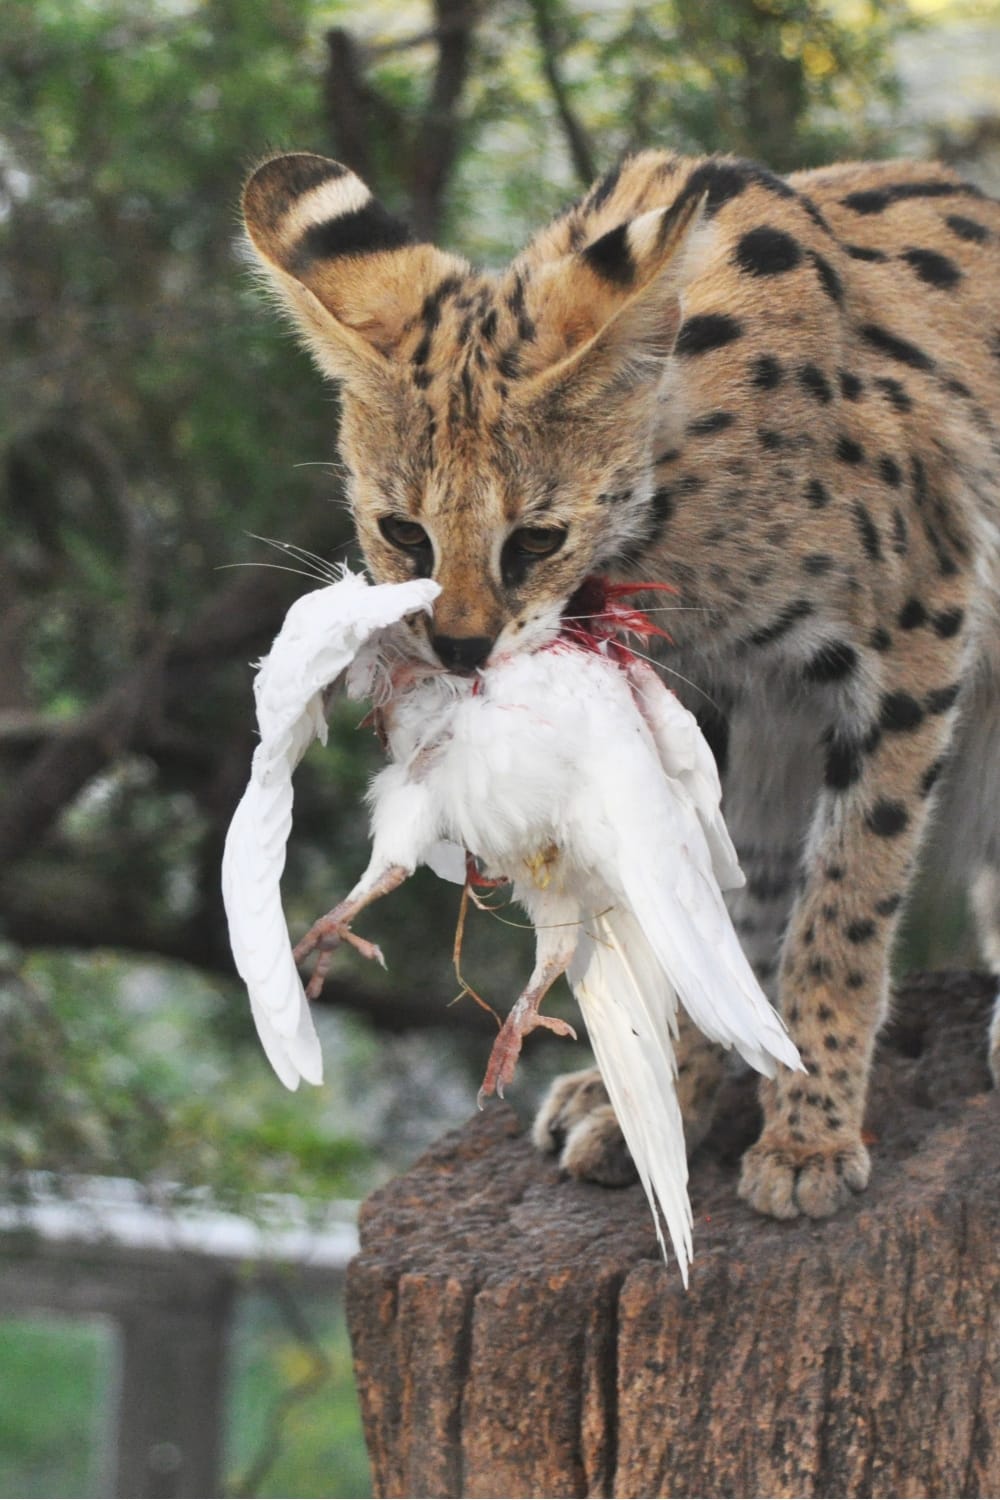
(865, 252)
(843, 764)
(835, 873)
(817, 494)
(767, 372)
(849, 451)
(828, 278)
(724, 180)
(855, 980)
(876, 200)
(430, 312)
(881, 640)
(661, 511)
(605, 186)
(850, 386)
(889, 904)
(967, 229)
(887, 819)
(509, 362)
(869, 201)
(798, 610)
(769, 439)
(948, 622)
(817, 563)
(940, 700)
(831, 663)
(890, 471)
(897, 394)
(707, 331)
(812, 380)
(611, 258)
(900, 532)
(900, 713)
(912, 615)
(860, 932)
(957, 387)
(816, 214)
(933, 268)
(488, 326)
(931, 776)
(367, 231)
(713, 421)
(515, 297)
(894, 347)
(867, 531)
(766, 251)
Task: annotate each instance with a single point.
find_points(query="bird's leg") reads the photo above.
(330, 931)
(552, 959)
(456, 955)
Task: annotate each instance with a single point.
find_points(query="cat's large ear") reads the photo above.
(609, 314)
(348, 271)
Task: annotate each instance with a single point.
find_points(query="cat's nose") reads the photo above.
(462, 653)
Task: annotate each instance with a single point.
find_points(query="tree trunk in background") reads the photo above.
(517, 1335)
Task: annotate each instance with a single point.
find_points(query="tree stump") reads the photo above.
(516, 1334)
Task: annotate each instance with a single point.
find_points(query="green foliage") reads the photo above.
(317, 1449)
(52, 1436)
(106, 1068)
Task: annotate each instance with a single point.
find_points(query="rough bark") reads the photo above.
(516, 1334)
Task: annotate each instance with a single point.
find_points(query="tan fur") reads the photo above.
(782, 397)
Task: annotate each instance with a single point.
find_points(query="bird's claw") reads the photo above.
(324, 938)
(507, 1047)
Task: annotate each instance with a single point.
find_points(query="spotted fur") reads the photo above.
(780, 395)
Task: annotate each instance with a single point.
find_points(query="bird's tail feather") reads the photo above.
(629, 1010)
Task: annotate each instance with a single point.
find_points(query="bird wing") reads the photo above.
(645, 831)
(630, 1010)
(321, 637)
(687, 759)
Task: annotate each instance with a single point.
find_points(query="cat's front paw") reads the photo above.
(784, 1179)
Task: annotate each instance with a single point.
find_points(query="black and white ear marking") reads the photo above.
(300, 208)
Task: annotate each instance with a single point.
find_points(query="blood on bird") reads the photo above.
(594, 617)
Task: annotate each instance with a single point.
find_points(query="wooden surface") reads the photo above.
(516, 1334)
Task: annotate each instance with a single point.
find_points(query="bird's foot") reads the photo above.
(524, 1017)
(325, 937)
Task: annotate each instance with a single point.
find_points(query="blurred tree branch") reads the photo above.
(422, 147)
(580, 148)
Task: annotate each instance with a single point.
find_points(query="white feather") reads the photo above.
(322, 636)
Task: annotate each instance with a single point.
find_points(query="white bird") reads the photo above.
(575, 775)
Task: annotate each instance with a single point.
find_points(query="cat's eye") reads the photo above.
(536, 541)
(408, 536)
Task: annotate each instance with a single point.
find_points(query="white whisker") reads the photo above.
(313, 577)
(303, 553)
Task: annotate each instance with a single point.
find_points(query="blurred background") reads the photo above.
(173, 1224)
